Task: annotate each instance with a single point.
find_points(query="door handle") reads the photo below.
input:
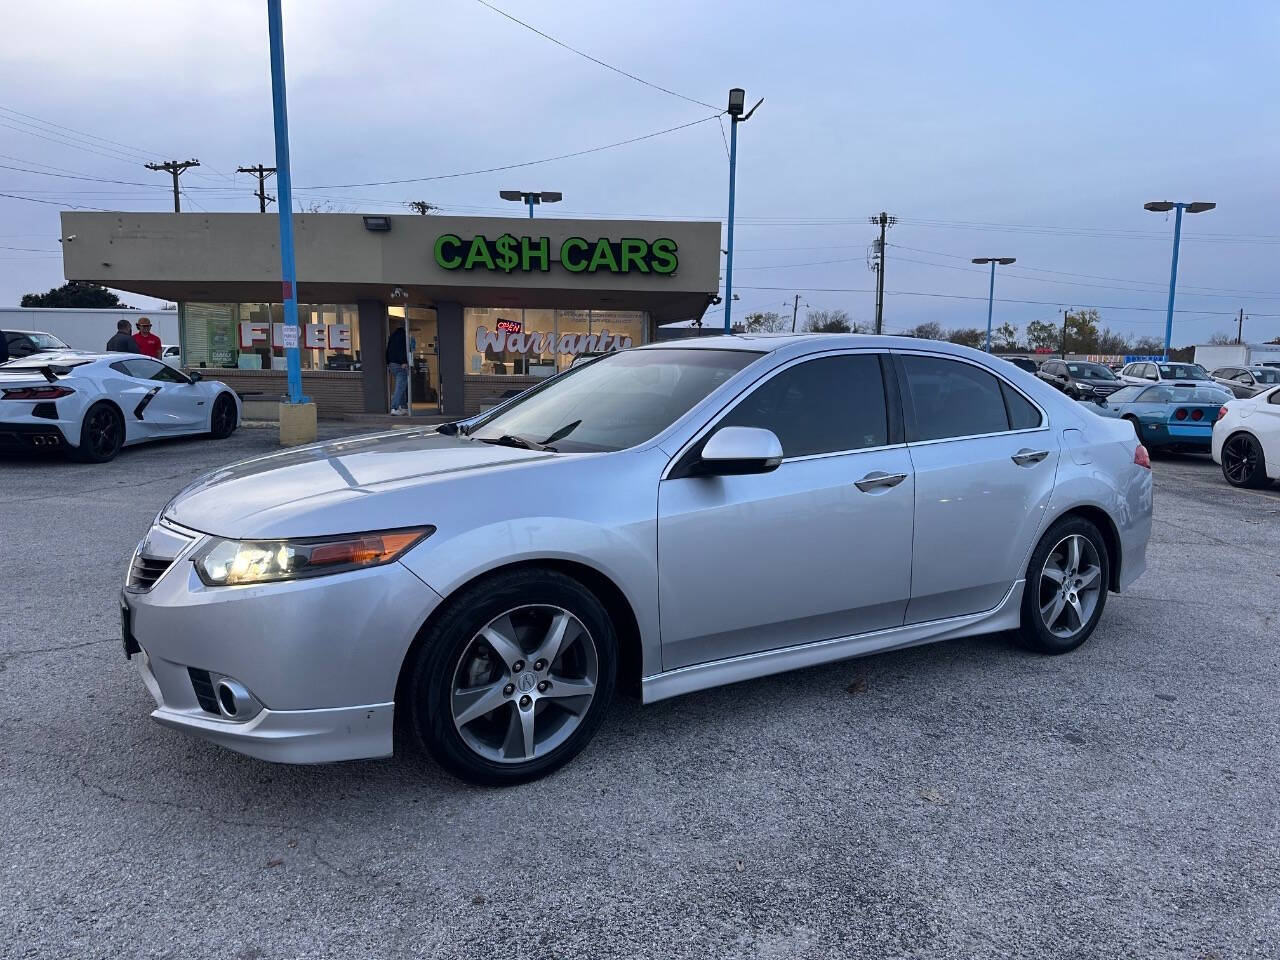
(1025, 457)
(878, 479)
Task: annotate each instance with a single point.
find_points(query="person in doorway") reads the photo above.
(398, 367)
(123, 341)
(148, 343)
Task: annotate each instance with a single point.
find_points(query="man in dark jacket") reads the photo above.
(398, 367)
(123, 341)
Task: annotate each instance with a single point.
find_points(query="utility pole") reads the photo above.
(795, 307)
(885, 221)
(174, 168)
(1240, 327)
(1065, 314)
(261, 173)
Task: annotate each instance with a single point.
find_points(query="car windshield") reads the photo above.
(47, 341)
(1169, 393)
(1182, 371)
(1125, 394)
(1090, 371)
(1266, 374)
(614, 402)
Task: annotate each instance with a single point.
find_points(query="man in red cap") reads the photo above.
(148, 343)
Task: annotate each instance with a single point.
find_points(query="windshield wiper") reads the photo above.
(511, 440)
(563, 432)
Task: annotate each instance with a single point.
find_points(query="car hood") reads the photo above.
(330, 487)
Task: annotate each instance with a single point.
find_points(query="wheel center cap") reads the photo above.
(526, 682)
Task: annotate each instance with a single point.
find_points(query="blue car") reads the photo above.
(1168, 416)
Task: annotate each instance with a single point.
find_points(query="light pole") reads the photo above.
(1164, 206)
(531, 197)
(737, 101)
(991, 291)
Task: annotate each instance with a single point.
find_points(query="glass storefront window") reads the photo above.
(538, 342)
(248, 335)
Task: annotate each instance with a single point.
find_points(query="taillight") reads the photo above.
(37, 393)
(1222, 412)
(1197, 414)
(1179, 414)
(1141, 457)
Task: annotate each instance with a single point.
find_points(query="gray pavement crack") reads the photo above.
(14, 654)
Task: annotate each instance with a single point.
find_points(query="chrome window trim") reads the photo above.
(767, 375)
(1043, 427)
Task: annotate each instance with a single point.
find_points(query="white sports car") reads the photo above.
(92, 404)
(1246, 440)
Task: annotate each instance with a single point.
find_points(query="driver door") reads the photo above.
(167, 400)
(816, 549)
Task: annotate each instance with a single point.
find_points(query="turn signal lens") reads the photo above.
(1222, 412)
(37, 393)
(1141, 457)
(229, 562)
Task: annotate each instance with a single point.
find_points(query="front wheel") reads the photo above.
(1242, 462)
(514, 678)
(1066, 587)
(222, 421)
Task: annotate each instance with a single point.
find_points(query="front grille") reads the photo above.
(202, 684)
(145, 571)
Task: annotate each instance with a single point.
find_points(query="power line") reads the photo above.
(595, 60)
(175, 169)
(79, 133)
(510, 166)
(72, 176)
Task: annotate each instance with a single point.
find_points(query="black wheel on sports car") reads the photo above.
(1242, 462)
(514, 679)
(222, 422)
(101, 434)
(1066, 587)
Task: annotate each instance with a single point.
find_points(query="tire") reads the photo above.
(101, 434)
(1052, 620)
(518, 613)
(1243, 464)
(222, 419)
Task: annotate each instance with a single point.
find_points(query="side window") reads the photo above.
(166, 374)
(143, 368)
(1244, 378)
(953, 399)
(122, 366)
(1022, 415)
(820, 406)
(1150, 371)
(1274, 398)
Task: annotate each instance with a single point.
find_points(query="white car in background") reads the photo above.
(1160, 371)
(1246, 440)
(92, 404)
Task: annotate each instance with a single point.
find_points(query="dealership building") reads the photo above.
(491, 304)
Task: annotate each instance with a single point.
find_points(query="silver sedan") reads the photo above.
(670, 518)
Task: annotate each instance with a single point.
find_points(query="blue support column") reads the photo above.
(530, 206)
(728, 264)
(1173, 277)
(284, 205)
(991, 299)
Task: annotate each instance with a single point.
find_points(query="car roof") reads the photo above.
(800, 343)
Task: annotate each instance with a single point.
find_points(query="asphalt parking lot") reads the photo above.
(962, 800)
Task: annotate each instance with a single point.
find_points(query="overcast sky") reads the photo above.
(991, 129)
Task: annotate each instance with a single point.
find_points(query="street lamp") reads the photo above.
(991, 292)
(531, 198)
(1164, 206)
(737, 101)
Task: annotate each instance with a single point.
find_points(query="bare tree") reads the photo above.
(422, 207)
(1221, 338)
(830, 321)
(766, 322)
(927, 331)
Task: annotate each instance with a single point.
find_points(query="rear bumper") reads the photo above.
(37, 435)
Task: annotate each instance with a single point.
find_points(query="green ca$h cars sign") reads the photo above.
(508, 253)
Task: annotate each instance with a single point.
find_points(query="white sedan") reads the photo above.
(1246, 440)
(92, 404)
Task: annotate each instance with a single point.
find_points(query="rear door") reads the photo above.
(817, 549)
(984, 458)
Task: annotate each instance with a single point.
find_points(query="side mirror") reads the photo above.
(195, 376)
(740, 450)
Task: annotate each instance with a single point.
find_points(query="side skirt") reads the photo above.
(717, 673)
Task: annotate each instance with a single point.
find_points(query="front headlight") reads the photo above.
(226, 562)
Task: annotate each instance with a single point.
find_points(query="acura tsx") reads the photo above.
(672, 518)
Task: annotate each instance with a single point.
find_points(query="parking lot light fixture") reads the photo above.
(737, 100)
(532, 197)
(1164, 206)
(991, 290)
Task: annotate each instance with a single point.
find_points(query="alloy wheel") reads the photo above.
(104, 431)
(1239, 459)
(524, 683)
(224, 413)
(1070, 586)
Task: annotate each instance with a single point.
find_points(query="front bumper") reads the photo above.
(320, 657)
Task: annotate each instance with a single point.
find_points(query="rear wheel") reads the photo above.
(1066, 587)
(1242, 462)
(222, 421)
(101, 434)
(514, 678)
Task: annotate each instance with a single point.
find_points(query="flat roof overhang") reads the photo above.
(235, 258)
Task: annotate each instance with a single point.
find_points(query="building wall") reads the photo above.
(335, 393)
(481, 391)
